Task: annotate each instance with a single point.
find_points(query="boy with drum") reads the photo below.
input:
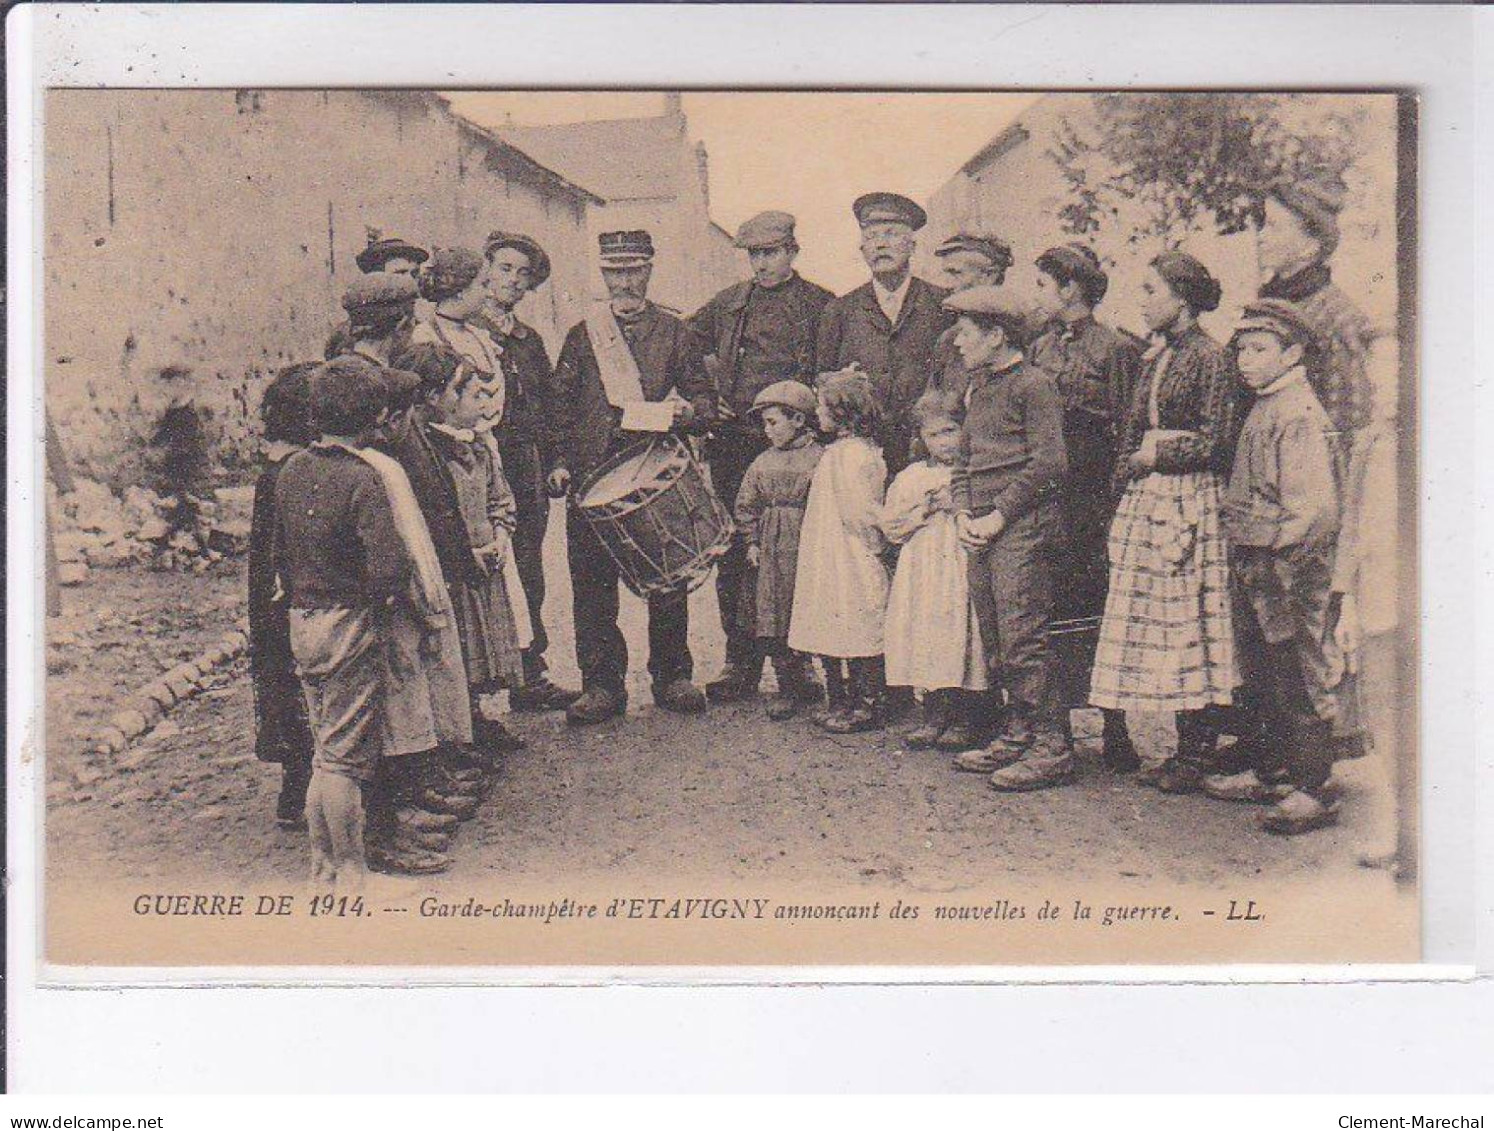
(626, 353)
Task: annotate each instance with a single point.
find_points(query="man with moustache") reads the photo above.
(381, 257)
(969, 259)
(517, 265)
(625, 350)
(754, 334)
(889, 325)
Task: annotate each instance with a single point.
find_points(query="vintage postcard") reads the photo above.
(512, 529)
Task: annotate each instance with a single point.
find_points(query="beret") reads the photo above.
(539, 261)
(376, 290)
(888, 207)
(1279, 317)
(766, 229)
(786, 394)
(379, 252)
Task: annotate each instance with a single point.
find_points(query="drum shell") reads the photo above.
(665, 534)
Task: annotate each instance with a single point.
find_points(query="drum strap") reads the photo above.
(619, 369)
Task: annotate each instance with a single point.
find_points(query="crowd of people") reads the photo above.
(937, 498)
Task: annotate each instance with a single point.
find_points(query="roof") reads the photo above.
(622, 159)
(1003, 143)
(505, 155)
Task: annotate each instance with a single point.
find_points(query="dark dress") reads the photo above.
(281, 732)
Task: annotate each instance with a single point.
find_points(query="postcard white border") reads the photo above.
(960, 47)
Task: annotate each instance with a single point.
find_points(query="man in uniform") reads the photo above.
(754, 334)
(626, 351)
(889, 325)
(517, 265)
(381, 257)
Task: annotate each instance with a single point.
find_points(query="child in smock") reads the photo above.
(932, 637)
(769, 515)
(840, 584)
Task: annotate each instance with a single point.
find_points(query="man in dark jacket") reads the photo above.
(517, 265)
(754, 334)
(890, 324)
(586, 411)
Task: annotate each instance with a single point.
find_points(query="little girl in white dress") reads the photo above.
(931, 638)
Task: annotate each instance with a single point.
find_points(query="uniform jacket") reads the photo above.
(899, 356)
(721, 322)
(584, 423)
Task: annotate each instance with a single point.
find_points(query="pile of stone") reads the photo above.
(97, 529)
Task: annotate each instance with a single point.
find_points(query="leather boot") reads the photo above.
(736, 682)
(1117, 752)
(936, 717)
(835, 691)
(796, 687)
(1184, 773)
(863, 710)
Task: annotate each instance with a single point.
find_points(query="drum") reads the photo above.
(653, 509)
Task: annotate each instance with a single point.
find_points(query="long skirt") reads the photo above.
(426, 698)
(1166, 639)
(490, 640)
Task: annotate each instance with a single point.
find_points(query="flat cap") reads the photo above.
(379, 252)
(766, 229)
(539, 261)
(371, 292)
(786, 394)
(995, 301)
(994, 248)
(1280, 317)
(626, 249)
(888, 207)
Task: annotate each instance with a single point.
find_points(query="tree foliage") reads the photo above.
(1170, 163)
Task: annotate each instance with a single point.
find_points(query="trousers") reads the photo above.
(601, 649)
(729, 456)
(1011, 583)
(521, 465)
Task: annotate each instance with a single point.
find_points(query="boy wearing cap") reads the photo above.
(1006, 503)
(889, 325)
(626, 350)
(1281, 518)
(769, 513)
(518, 265)
(969, 259)
(754, 335)
(394, 258)
(1095, 368)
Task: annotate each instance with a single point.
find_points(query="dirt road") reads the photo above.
(728, 794)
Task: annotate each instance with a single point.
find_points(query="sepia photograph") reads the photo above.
(721, 528)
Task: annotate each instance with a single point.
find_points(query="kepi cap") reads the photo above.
(626, 249)
(786, 394)
(379, 252)
(888, 208)
(539, 261)
(766, 229)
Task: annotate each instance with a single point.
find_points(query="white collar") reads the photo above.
(465, 435)
(892, 302)
(1291, 377)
